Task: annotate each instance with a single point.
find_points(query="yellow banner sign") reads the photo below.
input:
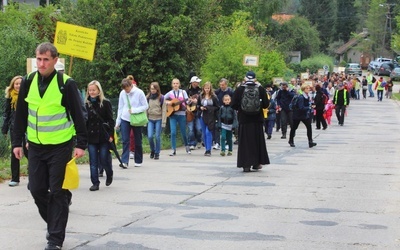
(75, 40)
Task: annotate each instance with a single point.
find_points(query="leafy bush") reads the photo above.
(316, 62)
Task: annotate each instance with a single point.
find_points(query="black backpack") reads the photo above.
(250, 103)
(294, 102)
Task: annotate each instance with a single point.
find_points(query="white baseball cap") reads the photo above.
(195, 79)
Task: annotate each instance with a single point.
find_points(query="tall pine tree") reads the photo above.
(323, 15)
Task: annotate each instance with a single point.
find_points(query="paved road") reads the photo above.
(342, 194)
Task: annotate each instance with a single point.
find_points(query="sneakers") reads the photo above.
(131, 155)
(13, 183)
(51, 246)
(156, 156)
(216, 146)
(207, 153)
(192, 147)
(152, 155)
(222, 153)
(138, 164)
(188, 150)
(124, 165)
(229, 153)
(93, 188)
(199, 146)
(173, 153)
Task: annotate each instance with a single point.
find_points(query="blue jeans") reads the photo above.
(125, 134)
(181, 121)
(269, 126)
(194, 132)
(154, 125)
(371, 92)
(357, 94)
(207, 135)
(99, 155)
(380, 94)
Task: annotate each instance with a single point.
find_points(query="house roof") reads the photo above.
(282, 18)
(352, 42)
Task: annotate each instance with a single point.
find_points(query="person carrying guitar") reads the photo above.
(194, 126)
(176, 101)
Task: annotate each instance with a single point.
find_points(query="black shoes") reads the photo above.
(312, 144)
(156, 156)
(283, 136)
(269, 137)
(152, 155)
(94, 188)
(109, 180)
(257, 167)
(292, 144)
(246, 170)
(51, 246)
(207, 153)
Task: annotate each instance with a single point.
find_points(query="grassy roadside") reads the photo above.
(5, 170)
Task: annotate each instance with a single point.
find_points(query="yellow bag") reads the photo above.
(71, 178)
(115, 137)
(265, 112)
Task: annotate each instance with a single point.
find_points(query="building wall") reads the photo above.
(353, 56)
(34, 2)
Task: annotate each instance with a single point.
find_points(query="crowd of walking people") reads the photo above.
(45, 113)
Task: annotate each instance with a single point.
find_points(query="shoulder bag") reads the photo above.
(137, 119)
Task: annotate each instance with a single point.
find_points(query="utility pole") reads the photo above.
(388, 20)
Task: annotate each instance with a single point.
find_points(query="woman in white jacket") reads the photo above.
(137, 104)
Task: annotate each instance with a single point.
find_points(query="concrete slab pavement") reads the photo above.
(342, 194)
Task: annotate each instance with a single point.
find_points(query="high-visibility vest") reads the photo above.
(48, 122)
(344, 96)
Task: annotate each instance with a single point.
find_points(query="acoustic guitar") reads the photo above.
(192, 106)
(174, 106)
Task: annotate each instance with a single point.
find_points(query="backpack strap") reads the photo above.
(60, 81)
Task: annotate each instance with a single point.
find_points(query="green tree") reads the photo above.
(229, 45)
(323, 15)
(347, 21)
(396, 37)
(154, 40)
(22, 27)
(297, 34)
(362, 8)
(375, 22)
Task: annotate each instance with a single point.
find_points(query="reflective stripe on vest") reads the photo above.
(48, 123)
(344, 96)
